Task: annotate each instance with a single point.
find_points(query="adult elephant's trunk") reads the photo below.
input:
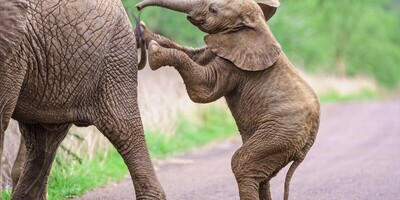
(177, 5)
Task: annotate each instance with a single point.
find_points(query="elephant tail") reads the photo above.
(299, 159)
(13, 15)
(143, 55)
(140, 42)
(289, 175)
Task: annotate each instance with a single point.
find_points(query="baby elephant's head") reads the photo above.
(216, 16)
(236, 29)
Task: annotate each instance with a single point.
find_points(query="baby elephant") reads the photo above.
(276, 111)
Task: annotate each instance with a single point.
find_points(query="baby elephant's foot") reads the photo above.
(156, 55)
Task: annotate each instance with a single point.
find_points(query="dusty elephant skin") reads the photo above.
(277, 113)
(70, 62)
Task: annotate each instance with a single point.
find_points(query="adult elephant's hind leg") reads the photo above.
(6, 110)
(7, 105)
(2, 132)
(118, 116)
(18, 164)
(123, 127)
(41, 146)
(128, 139)
(10, 85)
(13, 15)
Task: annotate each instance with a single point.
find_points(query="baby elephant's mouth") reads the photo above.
(195, 21)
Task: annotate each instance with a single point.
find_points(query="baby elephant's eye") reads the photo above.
(212, 9)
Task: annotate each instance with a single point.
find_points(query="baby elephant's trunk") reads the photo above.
(177, 5)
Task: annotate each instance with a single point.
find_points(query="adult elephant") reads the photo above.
(71, 62)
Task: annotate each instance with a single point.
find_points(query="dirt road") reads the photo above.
(356, 156)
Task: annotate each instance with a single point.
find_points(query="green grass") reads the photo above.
(334, 97)
(71, 178)
(6, 194)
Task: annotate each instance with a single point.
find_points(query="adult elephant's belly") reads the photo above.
(32, 115)
(54, 106)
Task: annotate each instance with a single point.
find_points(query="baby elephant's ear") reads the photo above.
(268, 7)
(248, 49)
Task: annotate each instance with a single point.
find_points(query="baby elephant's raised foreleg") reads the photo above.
(148, 36)
(160, 56)
(204, 83)
(201, 56)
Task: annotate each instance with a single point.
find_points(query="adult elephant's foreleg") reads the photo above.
(41, 146)
(124, 130)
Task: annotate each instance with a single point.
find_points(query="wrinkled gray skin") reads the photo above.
(70, 62)
(277, 113)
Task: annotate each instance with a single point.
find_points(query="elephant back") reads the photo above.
(13, 15)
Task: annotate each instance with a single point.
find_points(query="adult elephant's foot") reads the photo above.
(151, 194)
(157, 55)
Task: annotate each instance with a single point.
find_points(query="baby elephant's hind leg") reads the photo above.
(264, 190)
(256, 162)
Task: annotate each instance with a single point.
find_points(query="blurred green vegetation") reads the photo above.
(211, 124)
(345, 37)
(335, 97)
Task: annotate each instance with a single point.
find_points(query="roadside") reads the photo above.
(355, 157)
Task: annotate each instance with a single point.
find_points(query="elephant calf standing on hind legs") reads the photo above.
(277, 113)
(70, 62)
